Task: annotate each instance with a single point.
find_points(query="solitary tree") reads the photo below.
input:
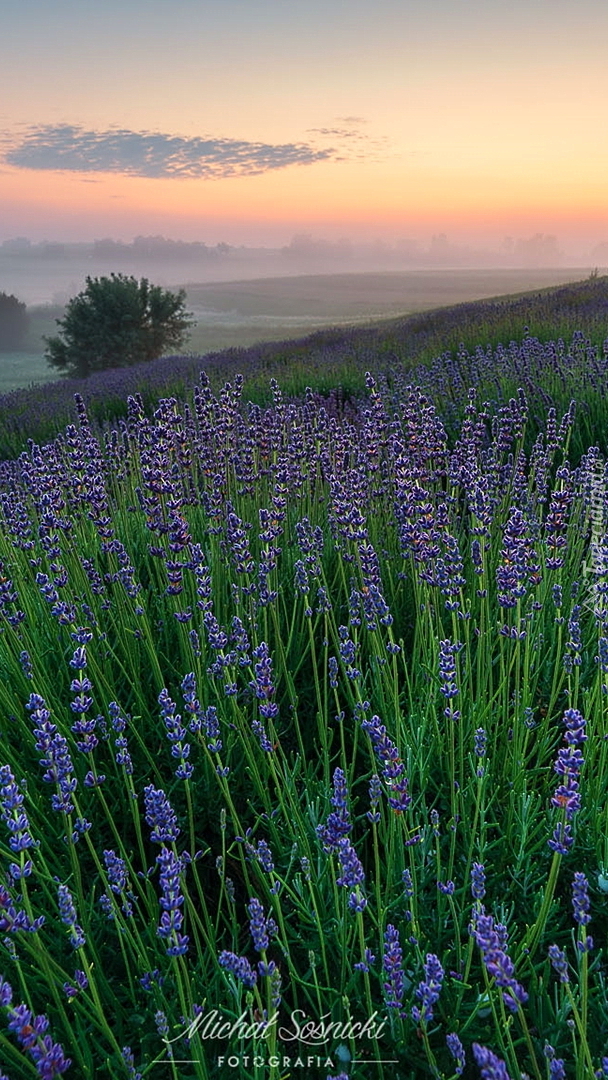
(13, 322)
(117, 321)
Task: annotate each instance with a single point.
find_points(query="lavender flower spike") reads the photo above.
(492, 1067)
(580, 899)
(556, 1065)
(352, 874)
(428, 990)
(392, 964)
(31, 1033)
(568, 766)
(67, 912)
(160, 816)
(171, 902)
(497, 962)
(262, 928)
(338, 823)
(478, 881)
(13, 816)
(559, 962)
(456, 1049)
(238, 966)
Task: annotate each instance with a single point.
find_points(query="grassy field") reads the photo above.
(369, 295)
(333, 360)
(304, 708)
(243, 313)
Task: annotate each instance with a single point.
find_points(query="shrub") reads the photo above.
(13, 322)
(117, 321)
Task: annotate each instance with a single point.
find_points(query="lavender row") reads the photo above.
(304, 715)
(492, 333)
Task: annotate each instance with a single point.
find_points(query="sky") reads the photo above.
(251, 121)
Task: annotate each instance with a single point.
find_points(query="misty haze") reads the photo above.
(243, 295)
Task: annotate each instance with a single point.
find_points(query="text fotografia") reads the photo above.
(276, 1061)
(300, 1029)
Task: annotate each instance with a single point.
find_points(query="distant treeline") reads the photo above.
(13, 322)
(141, 247)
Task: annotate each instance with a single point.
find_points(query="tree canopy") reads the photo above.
(13, 322)
(115, 322)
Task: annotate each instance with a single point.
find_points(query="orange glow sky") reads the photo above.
(247, 121)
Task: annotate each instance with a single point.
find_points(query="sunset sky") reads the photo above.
(248, 121)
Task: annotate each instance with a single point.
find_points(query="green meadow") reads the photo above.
(304, 699)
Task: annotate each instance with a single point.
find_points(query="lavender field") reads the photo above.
(304, 692)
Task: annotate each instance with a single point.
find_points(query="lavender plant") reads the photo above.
(303, 754)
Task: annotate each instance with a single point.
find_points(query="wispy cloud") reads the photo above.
(71, 148)
(350, 143)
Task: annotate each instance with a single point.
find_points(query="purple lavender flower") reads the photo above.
(238, 966)
(572, 655)
(129, 1060)
(366, 963)
(195, 643)
(556, 1065)
(492, 1067)
(26, 664)
(352, 874)
(202, 719)
(171, 902)
(260, 732)
(81, 982)
(568, 766)
(162, 1027)
(428, 990)
(575, 724)
(393, 769)
(160, 816)
(338, 823)
(375, 791)
(56, 756)
(490, 940)
(117, 871)
(81, 686)
(478, 881)
(580, 899)
(262, 928)
(348, 653)
(447, 668)
(447, 887)
(456, 1049)
(392, 966)
(31, 1033)
(6, 992)
(11, 919)
(519, 564)
(397, 793)
(555, 528)
(262, 854)
(176, 734)
(262, 685)
(68, 916)
(562, 839)
(264, 690)
(211, 727)
(238, 546)
(301, 578)
(12, 814)
(118, 879)
(481, 742)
